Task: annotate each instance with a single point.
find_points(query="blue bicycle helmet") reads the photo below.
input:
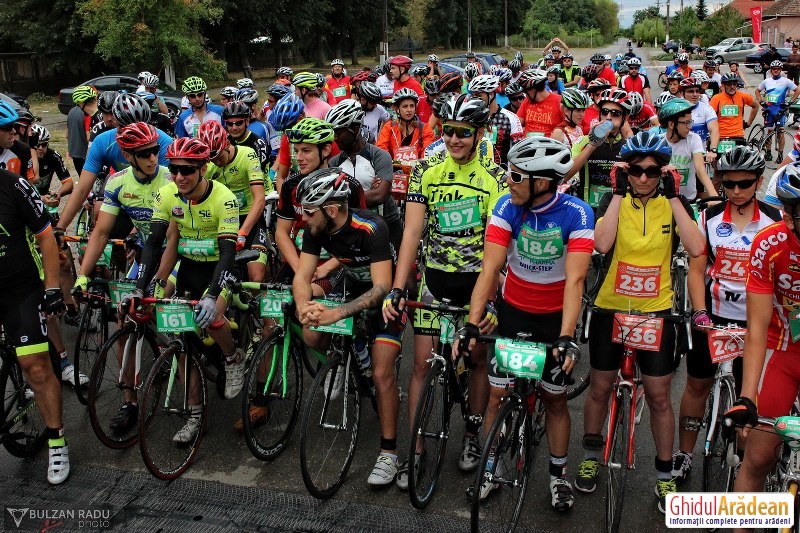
(788, 186)
(7, 114)
(278, 91)
(646, 143)
(286, 112)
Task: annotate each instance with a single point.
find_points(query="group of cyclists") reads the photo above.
(514, 180)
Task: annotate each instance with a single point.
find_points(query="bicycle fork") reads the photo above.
(342, 426)
(626, 380)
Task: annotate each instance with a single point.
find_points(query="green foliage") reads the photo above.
(606, 12)
(545, 19)
(701, 9)
(641, 15)
(721, 25)
(685, 26)
(650, 30)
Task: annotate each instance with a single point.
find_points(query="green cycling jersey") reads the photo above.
(239, 175)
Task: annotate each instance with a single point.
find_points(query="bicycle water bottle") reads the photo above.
(81, 228)
(363, 358)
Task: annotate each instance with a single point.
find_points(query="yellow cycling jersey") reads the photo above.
(239, 175)
(639, 274)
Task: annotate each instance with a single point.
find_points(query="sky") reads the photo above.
(628, 7)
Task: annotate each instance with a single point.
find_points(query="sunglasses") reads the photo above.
(516, 98)
(516, 177)
(742, 184)
(42, 145)
(309, 211)
(616, 113)
(235, 123)
(651, 172)
(147, 152)
(183, 170)
(196, 95)
(460, 132)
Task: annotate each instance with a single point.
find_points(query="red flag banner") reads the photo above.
(755, 17)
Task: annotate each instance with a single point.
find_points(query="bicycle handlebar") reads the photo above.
(255, 286)
(440, 307)
(78, 238)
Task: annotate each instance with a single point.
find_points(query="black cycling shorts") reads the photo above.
(25, 323)
(257, 238)
(194, 277)
(436, 286)
(698, 360)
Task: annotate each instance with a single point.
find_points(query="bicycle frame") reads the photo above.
(627, 378)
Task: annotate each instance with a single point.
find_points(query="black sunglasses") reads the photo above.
(42, 145)
(147, 152)
(195, 95)
(742, 184)
(183, 170)
(516, 98)
(616, 113)
(234, 122)
(651, 172)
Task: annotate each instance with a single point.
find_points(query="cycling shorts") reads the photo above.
(544, 328)
(606, 355)
(770, 120)
(698, 360)
(779, 384)
(257, 238)
(194, 277)
(437, 285)
(25, 323)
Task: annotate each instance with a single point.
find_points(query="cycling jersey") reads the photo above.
(571, 134)
(424, 110)
(188, 123)
(104, 151)
(408, 148)
(373, 119)
(670, 69)
(200, 223)
(595, 178)
(410, 83)
(17, 159)
(22, 215)
(569, 74)
(541, 117)
(502, 100)
(458, 199)
(591, 117)
(505, 130)
(386, 85)
(774, 259)
(730, 112)
(265, 155)
(51, 164)
(538, 240)
(634, 84)
(339, 87)
(125, 192)
(702, 116)
(365, 166)
(316, 108)
(265, 131)
(775, 91)
(639, 272)
(242, 172)
(643, 120)
(683, 160)
(770, 195)
(728, 251)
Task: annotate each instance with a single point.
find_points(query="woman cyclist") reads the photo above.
(573, 104)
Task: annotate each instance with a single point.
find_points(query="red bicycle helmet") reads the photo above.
(189, 149)
(362, 76)
(615, 96)
(213, 135)
(691, 81)
(136, 135)
(401, 61)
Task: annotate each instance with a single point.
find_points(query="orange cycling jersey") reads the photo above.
(730, 112)
(391, 139)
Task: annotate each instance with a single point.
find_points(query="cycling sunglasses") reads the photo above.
(195, 95)
(516, 98)
(516, 177)
(651, 172)
(42, 145)
(616, 113)
(183, 170)
(236, 123)
(742, 184)
(147, 152)
(460, 132)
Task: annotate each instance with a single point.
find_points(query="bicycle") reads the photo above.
(446, 384)
(581, 373)
(766, 138)
(513, 439)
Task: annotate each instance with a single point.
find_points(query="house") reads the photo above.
(781, 19)
(743, 6)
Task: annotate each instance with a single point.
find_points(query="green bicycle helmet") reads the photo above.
(311, 131)
(83, 93)
(194, 84)
(305, 80)
(573, 98)
(673, 108)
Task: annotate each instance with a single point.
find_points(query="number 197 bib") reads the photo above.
(458, 215)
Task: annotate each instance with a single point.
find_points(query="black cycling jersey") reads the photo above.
(258, 144)
(51, 163)
(22, 215)
(17, 159)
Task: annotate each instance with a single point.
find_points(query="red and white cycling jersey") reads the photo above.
(775, 269)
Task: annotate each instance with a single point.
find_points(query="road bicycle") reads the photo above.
(581, 373)
(772, 141)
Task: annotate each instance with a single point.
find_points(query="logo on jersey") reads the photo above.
(130, 195)
(550, 225)
(794, 267)
(724, 230)
(177, 211)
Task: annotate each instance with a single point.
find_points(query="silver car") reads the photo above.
(738, 52)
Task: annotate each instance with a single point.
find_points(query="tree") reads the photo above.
(146, 33)
(606, 16)
(702, 10)
(650, 30)
(641, 15)
(721, 25)
(685, 26)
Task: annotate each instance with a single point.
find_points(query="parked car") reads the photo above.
(17, 102)
(738, 52)
(120, 82)
(725, 45)
(486, 60)
(445, 67)
(672, 47)
(753, 60)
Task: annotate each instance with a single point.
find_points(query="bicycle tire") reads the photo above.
(92, 336)
(21, 416)
(433, 409)
(755, 139)
(662, 80)
(617, 467)
(680, 307)
(718, 476)
(511, 431)
(770, 145)
(105, 388)
(269, 440)
(157, 425)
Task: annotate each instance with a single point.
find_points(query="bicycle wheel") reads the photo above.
(680, 306)
(108, 381)
(22, 432)
(772, 147)
(756, 137)
(618, 460)
(581, 372)
(267, 440)
(92, 335)
(431, 427)
(718, 476)
(329, 428)
(508, 443)
(662, 80)
(165, 410)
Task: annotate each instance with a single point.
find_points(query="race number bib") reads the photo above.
(637, 332)
(637, 281)
(271, 303)
(342, 327)
(458, 215)
(684, 172)
(340, 92)
(544, 245)
(535, 134)
(174, 318)
(197, 247)
(794, 325)
(406, 153)
(119, 288)
(731, 264)
(596, 192)
(723, 346)
(729, 110)
(724, 146)
(241, 199)
(522, 359)
(772, 98)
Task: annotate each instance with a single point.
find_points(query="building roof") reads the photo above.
(743, 6)
(783, 8)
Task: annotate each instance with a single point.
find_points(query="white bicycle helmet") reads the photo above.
(542, 157)
(322, 186)
(345, 113)
(485, 83)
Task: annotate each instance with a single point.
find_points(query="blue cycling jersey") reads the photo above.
(187, 124)
(104, 150)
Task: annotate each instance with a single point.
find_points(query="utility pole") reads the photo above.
(667, 36)
(385, 50)
(505, 11)
(469, 25)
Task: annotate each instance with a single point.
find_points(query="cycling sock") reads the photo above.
(473, 424)
(388, 444)
(663, 469)
(64, 361)
(55, 437)
(592, 446)
(558, 467)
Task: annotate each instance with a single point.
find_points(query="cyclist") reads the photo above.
(554, 83)
(199, 110)
(471, 70)
(450, 83)
(399, 67)
(573, 105)
(157, 119)
(31, 290)
(369, 95)
(236, 116)
(704, 81)
(772, 94)
(150, 84)
(433, 64)
(226, 94)
(515, 95)
(683, 65)
(504, 126)
(284, 76)
(407, 137)
(367, 163)
(384, 82)
(358, 79)
(734, 68)
(50, 163)
(641, 113)
(674, 66)
(592, 115)
(338, 82)
(687, 147)
(275, 92)
(729, 106)
(704, 120)
(105, 105)
(425, 105)
(288, 112)
(453, 252)
(770, 378)
(717, 284)
(263, 130)
(306, 86)
(244, 83)
(79, 121)
(543, 289)
(674, 83)
(504, 76)
(714, 78)
(540, 112)
(515, 66)
(634, 82)
(630, 229)
(420, 73)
